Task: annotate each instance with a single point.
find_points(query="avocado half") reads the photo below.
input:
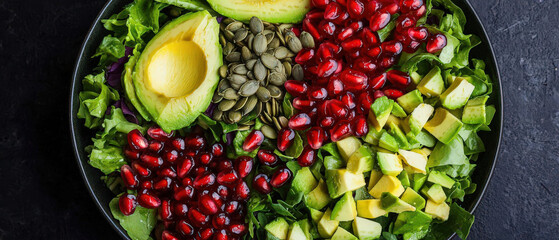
(274, 11)
(175, 76)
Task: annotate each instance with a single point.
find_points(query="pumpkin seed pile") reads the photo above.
(258, 61)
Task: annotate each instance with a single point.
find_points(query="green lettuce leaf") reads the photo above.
(193, 5)
(459, 221)
(110, 50)
(95, 99)
(143, 19)
(448, 154)
(139, 224)
(107, 159)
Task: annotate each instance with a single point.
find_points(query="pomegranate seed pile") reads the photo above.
(198, 191)
(345, 72)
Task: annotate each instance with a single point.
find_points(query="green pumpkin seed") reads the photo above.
(260, 72)
(223, 84)
(240, 69)
(226, 118)
(223, 71)
(307, 40)
(283, 27)
(267, 117)
(229, 47)
(241, 34)
(240, 104)
(225, 105)
(249, 88)
(245, 53)
(227, 21)
(259, 44)
(217, 98)
(230, 94)
(269, 34)
(234, 26)
(250, 76)
(263, 94)
(298, 73)
(250, 104)
(269, 61)
(275, 91)
(294, 44)
(280, 37)
(237, 79)
(283, 121)
(233, 57)
(228, 35)
(269, 132)
(281, 52)
(250, 64)
(256, 25)
(236, 86)
(235, 116)
(277, 79)
(222, 40)
(287, 67)
(289, 34)
(274, 44)
(217, 115)
(244, 127)
(277, 124)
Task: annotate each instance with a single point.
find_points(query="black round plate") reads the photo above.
(81, 136)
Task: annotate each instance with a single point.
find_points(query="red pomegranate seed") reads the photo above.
(340, 20)
(128, 177)
(261, 184)
(315, 14)
(227, 177)
(183, 193)
(131, 154)
(334, 87)
(280, 177)
(361, 126)
(304, 56)
(171, 156)
(199, 171)
(374, 52)
(332, 11)
(309, 27)
(404, 22)
(237, 229)
(379, 21)
(317, 93)
(353, 78)
(285, 138)
(336, 109)
(218, 150)
(148, 201)
(221, 235)
(206, 233)
(223, 191)
(267, 157)
(296, 88)
(197, 218)
(300, 122)
(320, 3)
(345, 33)
(393, 93)
(418, 33)
(398, 78)
(301, 103)
(165, 212)
(312, 70)
(378, 94)
(327, 68)
(436, 43)
(127, 204)
(185, 166)
(365, 100)
(392, 8)
(387, 62)
(136, 140)
(327, 28)
(411, 46)
(141, 170)
(224, 164)
(158, 134)
(354, 54)
(419, 12)
(392, 47)
(180, 209)
(356, 25)
(178, 144)
(204, 180)
(147, 184)
(371, 7)
(242, 191)
(355, 8)
(348, 99)
(163, 184)
(195, 142)
(326, 122)
(155, 146)
(341, 131)
(365, 64)
(232, 207)
(342, 2)
(408, 5)
(316, 137)
(184, 228)
(205, 158)
(207, 204)
(151, 161)
(352, 44)
(220, 221)
(308, 156)
(371, 38)
(167, 172)
(244, 166)
(166, 235)
(253, 141)
(186, 181)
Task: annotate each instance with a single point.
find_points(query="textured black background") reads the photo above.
(42, 195)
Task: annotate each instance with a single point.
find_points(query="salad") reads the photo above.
(294, 119)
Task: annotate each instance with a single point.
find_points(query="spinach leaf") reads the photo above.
(459, 221)
(238, 144)
(448, 154)
(330, 148)
(287, 106)
(193, 5)
(139, 224)
(110, 50)
(412, 64)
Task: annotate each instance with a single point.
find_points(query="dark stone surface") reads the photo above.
(43, 196)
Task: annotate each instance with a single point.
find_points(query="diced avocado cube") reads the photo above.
(398, 111)
(419, 117)
(389, 163)
(306, 227)
(327, 226)
(411, 222)
(380, 111)
(418, 180)
(373, 135)
(479, 85)
(425, 151)
(456, 112)
(400, 137)
(474, 111)
(440, 178)
(436, 193)
(361, 161)
(373, 178)
(345, 209)
(391, 203)
(318, 198)
(410, 100)
(432, 84)
(331, 162)
(370, 208)
(404, 178)
(437, 210)
(388, 142)
(405, 124)
(425, 139)
(413, 198)
(389, 184)
(341, 181)
(366, 229)
(444, 126)
(415, 78)
(348, 146)
(316, 215)
(457, 94)
(279, 228)
(393, 120)
(415, 160)
(296, 232)
(304, 181)
(342, 234)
